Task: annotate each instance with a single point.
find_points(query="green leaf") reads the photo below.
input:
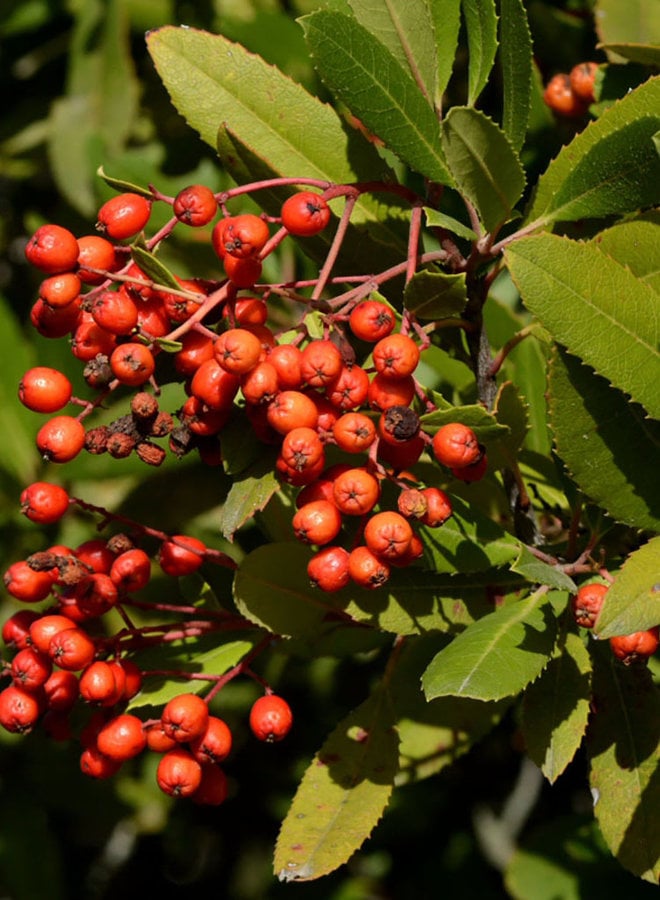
(342, 794)
(610, 167)
(637, 20)
(446, 18)
(436, 219)
(538, 572)
(634, 243)
(607, 444)
(153, 268)
(484, 424)
(577, 292)
(485, 166)
(362, 73)
(250, 492)
(497, 656)
(646, 54)
(467, 542)
(622, 743)
(188, 656)
(121, 185)
(405, 28)
(433, 734)
(214, 82)
(516, 63)
(435, 295)
(511, 412)
(556, 707)
(18, 453)
(481, 23)
(632, 603)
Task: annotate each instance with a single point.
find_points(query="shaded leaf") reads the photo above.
(484, 164)
(538, 572)
(646, 54)
(481, 24)
(153, 268)
(605, 442)
(632, 602)
(18, 453)
(516, 63)
(250, 492)
(577, 292)
(435, 295)
(498, 655)
(610, 167)
(622, 744)
(362, 73)
(446, 19)
(556, 707)
(119, 184)
(342, 794)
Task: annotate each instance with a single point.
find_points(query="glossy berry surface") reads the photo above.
(271, 718)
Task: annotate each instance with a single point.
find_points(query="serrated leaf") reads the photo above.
(342, 794)
(485, 166)
(622, 744)
(153, 268)
(216, 83)
(605, 442)
(511, 412)
(250, 492)
(481, 23)
(362, 73)
(577, 292)
(435, 295)
(538, 572)
(437, 219)
(498, 655)
(610, 167)
(634, 244)
(516, 63)
(189, 656)
(404, 27)
(556, 707)
(446, 19)
(632, 602)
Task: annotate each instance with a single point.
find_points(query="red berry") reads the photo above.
(287, 359)
(60, 290)
(26, 584)
(214, 744)
(366, 569)
(586, 604)
(388, 535)
(95, 252)
(214, 386)
(305, 214)
(44, 390)
(355, 492)
(97, 765)
(181, 555)
(474, 472)
(385, 392)
(44, 503)
(179, 774)
(561, 98)
(157, 740)
(242, 237)
(237, 350)
(243, 272)
(271, 718)
(16, 629)
(114, 311)
(212, 790)
(320, 363)
(438, 507)
(292, 409)
(19, 710)
(396, 356)
(372, 320)
(132, 364)
(98, 684)
(185, 717)
(635, 647)
(131, 570)
(583, 79)
(455, 445)
(52, 249)
(195, 205)
(30, 669)
(354, 432)
(45, 628)
(328, 569)
(317, 522)
(61, 439)
(72, 649)
(61, 690)
(123, 737)
(124, 216)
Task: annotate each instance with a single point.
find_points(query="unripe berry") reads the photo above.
(271, 718)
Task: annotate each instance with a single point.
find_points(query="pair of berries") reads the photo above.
(571, 94)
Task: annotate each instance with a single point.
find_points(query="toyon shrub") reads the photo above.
(438, 425)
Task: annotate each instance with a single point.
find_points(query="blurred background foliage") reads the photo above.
(80, 91)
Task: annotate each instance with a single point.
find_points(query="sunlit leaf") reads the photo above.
(632, 602)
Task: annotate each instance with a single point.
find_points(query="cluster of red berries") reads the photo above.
(571, 94)
(64, 665)
(353, 390)
(629, 648)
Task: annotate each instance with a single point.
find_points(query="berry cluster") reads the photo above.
(571, 94)
(351, 390)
